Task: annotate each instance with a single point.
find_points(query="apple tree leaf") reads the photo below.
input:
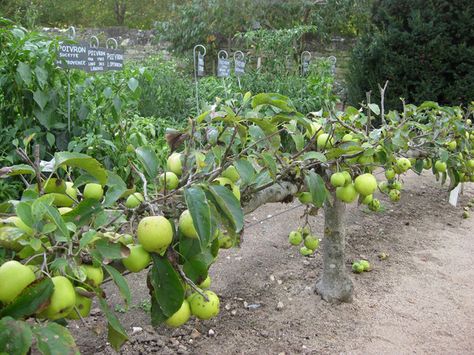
(15, 336)
(117, 334)
(317, 188)
(200, 212)
(33, 298)
(54, 339)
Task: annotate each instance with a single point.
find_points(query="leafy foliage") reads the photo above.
(424, 50)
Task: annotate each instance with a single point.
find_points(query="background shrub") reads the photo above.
(424, 48)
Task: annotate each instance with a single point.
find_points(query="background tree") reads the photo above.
(424, 48)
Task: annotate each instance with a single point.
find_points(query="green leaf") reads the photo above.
(38, 208)
(57, 220)
(111, 250)
(202, 116)
(196, 267)
(82, 161)
(132, 84)
(270, 164)
(200, 212)
(24, 71)
(273, 99)
(148, 158)
(168, 288)
(20, 169)
(317, 188)
(374, 108)
(41, 76)
(157, 315)
(245, 170)
(314, 155)
(54, 339)
(116, 188)
(84, 212)
(23, 210)
(120, 282)
(225, 200)
(15, 336)
(30, 300)
(117, 334)
(40, 98)
(50, 138)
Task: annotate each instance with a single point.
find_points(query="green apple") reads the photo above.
(181, 316)
(295, 238)
(155, 233)
(315, 127)
(367, 199)
(365, 264)
(137, 260)
(365, 159)
(225, 242)
(347, 193)
(347, 138)
(440, 166)
(365, 184)
(83, 305)
(62, 300)
(470, 164)
(228, 183)
(64, 210)
(357, 268)
(54, 185)
(134, 200)
(374, 205)
(452, 145)
(231, 173)
(338, 179)
(94, 275)
(93, 191)
(403, 164)
(427, 164)
(324, 141)
(397, 185)
(70, 190)
(384, 187)
(305, 197)
(394, 195)
(347, 176)
(186, 225)
(14, 277)
(311, 242)
(174, 165)
(206, 283)
(390, 174)
(61, 200)
(203, 309)
(306, 251)
(172, 180)
(126, 239)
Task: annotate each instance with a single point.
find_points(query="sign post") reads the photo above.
(95, 56)
(198, 59)
(239, 66)
(114, 58)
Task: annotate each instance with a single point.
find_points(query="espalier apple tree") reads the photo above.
(77, 224)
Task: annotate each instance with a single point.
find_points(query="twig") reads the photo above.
(369, 115)
(192, 284)
(382, 99)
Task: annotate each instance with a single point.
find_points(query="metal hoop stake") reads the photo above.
(225, 56)
(302, 60)
(94, 39)
(114, 42)
(242, 58)
(73, 34)
(195, 71)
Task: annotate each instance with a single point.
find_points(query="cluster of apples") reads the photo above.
(361, 266)
(195, 304)
(66, 300)
(303, 235)
(362, 187)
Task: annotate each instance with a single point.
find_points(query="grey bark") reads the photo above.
(335, 285)
(275, 193)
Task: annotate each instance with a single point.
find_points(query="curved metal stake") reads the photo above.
(241, 58)
(225, 56)
(114, 41)
(304, 54)
(94, 42)
(72, 35)
(203, 54)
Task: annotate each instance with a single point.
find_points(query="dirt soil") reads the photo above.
(419, 300)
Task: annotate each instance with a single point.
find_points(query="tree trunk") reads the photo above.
(335, 285)
(119, 9)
